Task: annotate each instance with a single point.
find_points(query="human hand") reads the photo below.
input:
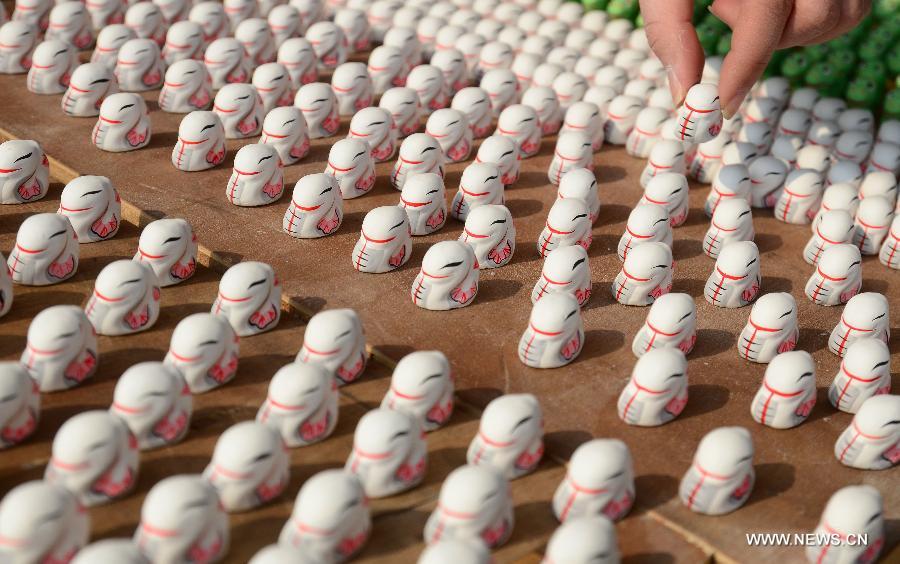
(758, 28)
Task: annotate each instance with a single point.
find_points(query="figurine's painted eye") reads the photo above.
(23, 157)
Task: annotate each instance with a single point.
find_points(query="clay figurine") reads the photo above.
(204, 350)
(448, 278)
(182, 519)
(250, 298)
(61, 350)
(95, 456)
(334, 338)
(155, 402)
(20, 410)
(257, 178)
(721, 476)
(201, 142)
(301, 405)
(788, 391)
(771, 328)
(24, 172)
(422, 386)
(46, 251)
(474, 503)
(645, 276)
(249, 467)
(123, 123)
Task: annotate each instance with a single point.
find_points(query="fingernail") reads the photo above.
(678, 92)
(734, 105)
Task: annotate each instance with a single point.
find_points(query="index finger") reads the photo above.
(755, 35)
(673, 38)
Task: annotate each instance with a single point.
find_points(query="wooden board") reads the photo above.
(796, 471)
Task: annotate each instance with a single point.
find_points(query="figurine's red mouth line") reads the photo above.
(107, 298)
(57, 463)
(826, 277)
(400, 394)
(456, 514)
(147, 255)
(219, 469)
(285, 406)
(234, 300)
(635, 278)
(381, 241)
(306, 209)
(320, 353)
(372, 455)
(73, 210)
(223, 110)
(187, 142)
(128, 409)
(502, 444)
(544, 333)
(29, 251)
(303, 527)
(76, 89)
(272, 135)
(413, 204)
(157, 531)
(434, 275)
(663, 333)
(729, 276)
(182, 358)
(35, 350)
(473, 194)
(9, 170)
(112, 121)
(37, 66)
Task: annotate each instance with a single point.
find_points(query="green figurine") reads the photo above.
(872, 49)
(875, 70)
(883, 9)
(794, 67)
(892, 105)
(723, 46)
(893, 61)
(845, 42)
(822, 77)
(708, 37)
(595, 4)
(842, 61)
(715, 23)
(627, 9)
(863, 93)
(817, 53)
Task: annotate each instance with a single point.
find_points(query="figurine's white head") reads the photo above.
(330, 520)
(658, 389)
(24, 172)
(155, 402)
(61, 350)
(95, 457)
(249, 297)
(721, 477)
(204, 349)
(448, 278)
(555, 333)
(249, 466)
(838, 275)
(788, 391)
(169, 247)
(89, 85)
(645, 276)
(302, 404)
(599, 481)
(46, 251)
(181, 518)
(40, 521)
(731, 222)
(474, 502)
(771, 328)
(334, 338)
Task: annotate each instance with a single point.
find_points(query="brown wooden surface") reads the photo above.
(796, 471)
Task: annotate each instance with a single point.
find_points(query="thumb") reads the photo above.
(674, 40)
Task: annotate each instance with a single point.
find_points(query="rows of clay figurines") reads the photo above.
(541, 70)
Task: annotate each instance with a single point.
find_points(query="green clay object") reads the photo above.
(595, 4)
(794, 67)
(892, 105)
(823, 78)
(874, 70)
(627, 9)
(893, 61)
(871, 49)
(816, 53)
(723, 46)
(842, 61)
(863, 93)
(708, 37)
